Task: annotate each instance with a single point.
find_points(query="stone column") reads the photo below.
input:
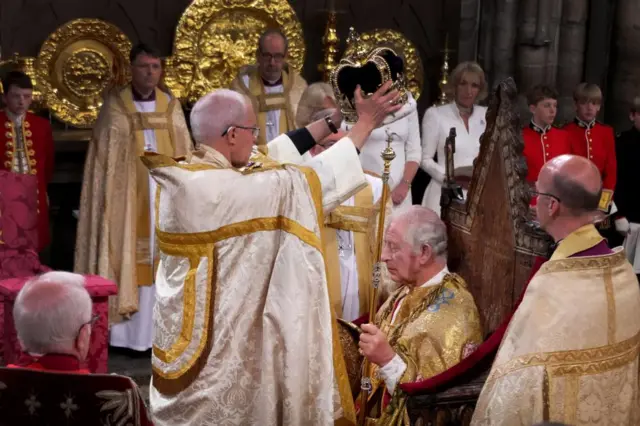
(626, 63)
(573, 29)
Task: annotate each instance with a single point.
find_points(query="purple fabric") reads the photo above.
(599, 249)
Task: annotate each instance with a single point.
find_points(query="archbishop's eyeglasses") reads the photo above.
(254, 130)
(534, 193)
(277, 57)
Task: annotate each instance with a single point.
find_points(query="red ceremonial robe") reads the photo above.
(37, 141)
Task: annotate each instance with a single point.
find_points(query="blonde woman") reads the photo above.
(467, 87)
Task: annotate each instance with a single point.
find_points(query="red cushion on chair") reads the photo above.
(481, 357)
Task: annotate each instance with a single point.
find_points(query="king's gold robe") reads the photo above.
(570, 353)
(113, 238)
(431, 328)
(274, 103)
(244, 332)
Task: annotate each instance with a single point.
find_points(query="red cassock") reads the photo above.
(541, 145)
(38, 160)
(596, 142)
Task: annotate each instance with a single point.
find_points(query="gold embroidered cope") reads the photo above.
(114, 224)
(434, 329)
(571, 351)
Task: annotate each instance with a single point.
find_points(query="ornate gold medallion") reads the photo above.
(215, 38)
(401, 45)
(77, 64)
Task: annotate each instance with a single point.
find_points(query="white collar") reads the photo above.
(16, 119)
(437, 278)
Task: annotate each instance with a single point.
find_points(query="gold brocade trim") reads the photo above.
(578, 362)
(316, 190)
(579, 240)
(605, 200)
(170, 239)
(149, 121)
(261, 167)
(188, 318)
(611, 306)
(584, 263)
(545, 397)
(256, 93)
(571, 389)
(176, 382)
(339, 366)
(153, 160)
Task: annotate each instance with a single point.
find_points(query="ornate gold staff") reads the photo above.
(365, 384)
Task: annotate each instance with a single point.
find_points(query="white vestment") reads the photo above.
(137, 332)
(436, 124)
(347, 255)
(406, 144)
(243, 320)
(273, 117)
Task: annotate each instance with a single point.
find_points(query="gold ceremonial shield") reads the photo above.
(77, 64)
(215, 38)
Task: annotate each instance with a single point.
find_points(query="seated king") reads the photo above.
(429, 324)
(273, 87)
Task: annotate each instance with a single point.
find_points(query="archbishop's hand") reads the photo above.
(375, 346)
(376, 107)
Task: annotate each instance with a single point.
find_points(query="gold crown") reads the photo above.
(369, 68)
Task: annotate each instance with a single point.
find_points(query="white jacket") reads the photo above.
(436, 123)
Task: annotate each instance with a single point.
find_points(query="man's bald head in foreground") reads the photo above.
(574, 180)
(569, 188)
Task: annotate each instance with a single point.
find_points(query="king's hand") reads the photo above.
(375, 346)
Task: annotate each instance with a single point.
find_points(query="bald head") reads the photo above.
(215, 112)
(574, 180)
(49, 312)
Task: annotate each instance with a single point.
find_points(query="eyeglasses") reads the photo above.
(278, 57)
(254, 130)
(534, 193)
(92, 321)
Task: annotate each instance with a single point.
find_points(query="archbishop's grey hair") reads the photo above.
(215, 112)
(49, 312)
(423, 227)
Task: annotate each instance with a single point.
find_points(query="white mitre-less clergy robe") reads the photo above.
(243, 327)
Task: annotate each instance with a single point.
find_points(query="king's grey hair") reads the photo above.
(215, 112)
(423, 227)
(49, 312)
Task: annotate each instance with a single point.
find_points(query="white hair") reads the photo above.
(215, 112)
(423, 227)
(49, 312)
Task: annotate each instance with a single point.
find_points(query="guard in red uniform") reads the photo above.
(594, 140)
(542, 141)
(26, 143)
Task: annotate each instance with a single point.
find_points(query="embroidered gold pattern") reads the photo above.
(599, 262)
(585, 361)
(571, 389)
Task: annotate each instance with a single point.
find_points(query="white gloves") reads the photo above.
(622, 225)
